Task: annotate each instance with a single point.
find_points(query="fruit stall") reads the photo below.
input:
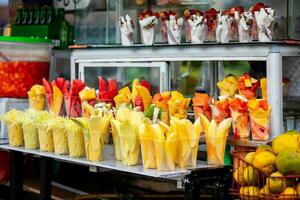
(153, 107)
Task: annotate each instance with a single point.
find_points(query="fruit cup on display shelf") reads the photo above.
(14, 120)
(224, 22)
(107, 90)
(30, 131)
(265, 20)
(126, 124)
(72, 98)
(75, 139)
(259, 110)
(60, 137)
(43, 120)
(216, 135)
(36, 96)
(220, 109)
(240, 117)
(173, 26)
(246, 25)
(141, 94)
(211, 18)
(126, 29)
(148, 21)
(88, 100)
(54, 95)
(195, 26)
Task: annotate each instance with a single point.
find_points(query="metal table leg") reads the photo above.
(45, 178)
(16, 177)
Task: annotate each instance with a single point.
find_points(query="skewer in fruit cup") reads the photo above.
(211, 18)
(259, 118)
(216, 137)
(240, 117)
(148, 21)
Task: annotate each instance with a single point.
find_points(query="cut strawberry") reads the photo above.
(146, 84)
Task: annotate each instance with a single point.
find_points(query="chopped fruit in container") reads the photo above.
(140, 95)
(36, 97)
(247, 86)
(178, 105)
(220, 110)
(201, 104)
(216, 137)
(72, 97)
(188, 140)
(124, 96)
(259, 119)
(228, 86)
(240, 117)
(161, 101)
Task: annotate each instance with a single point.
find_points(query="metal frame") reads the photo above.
(269, 52)
(163, 69)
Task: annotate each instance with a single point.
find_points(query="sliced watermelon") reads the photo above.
(112, 88)
(60, 83)
(66, 87)
(102, 84)
(47, 86)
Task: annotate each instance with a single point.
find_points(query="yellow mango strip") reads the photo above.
(216, 137)
(87, 94)
(60, 137)
(57, 100)
(124, 97)
(115, 129)
(147, 144)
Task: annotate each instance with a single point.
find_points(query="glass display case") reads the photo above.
(97, 23)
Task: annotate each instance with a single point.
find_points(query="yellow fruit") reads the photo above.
(264, 193)
(284, 141)
(264, 161)
(205, 123)
(249, 192)
(87, 94)
(249, 157)
(298, 190)
(264, 147)
(250, 176)
(288, 193)
(276, 183)
(57, 100)
(238, 176)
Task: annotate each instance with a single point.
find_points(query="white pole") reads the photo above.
(274, 77)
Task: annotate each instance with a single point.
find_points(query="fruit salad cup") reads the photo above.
(45, 137)
(165, 154)
(73, 106)
(259, 119)
(247, 86)
(211, 17)
(75, 140)
(31, 138)
(220, 110)
(37, 97)
(149, 153)
(240, 118)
